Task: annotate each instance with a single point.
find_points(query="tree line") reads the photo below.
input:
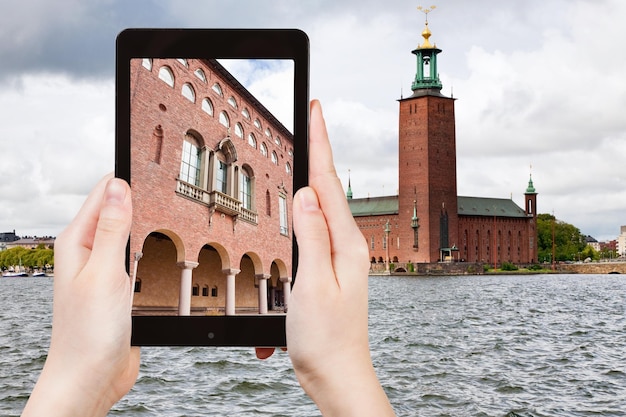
(569, 243)
(37, 258)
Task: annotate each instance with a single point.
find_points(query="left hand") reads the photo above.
(90, 364)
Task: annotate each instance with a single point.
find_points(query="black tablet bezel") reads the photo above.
(240, 330)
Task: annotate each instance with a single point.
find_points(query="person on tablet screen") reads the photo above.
(91, 365)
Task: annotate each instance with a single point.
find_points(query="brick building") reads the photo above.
(427, 221)
(211, 174)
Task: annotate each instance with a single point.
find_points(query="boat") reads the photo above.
(39, 274)
(14, 274)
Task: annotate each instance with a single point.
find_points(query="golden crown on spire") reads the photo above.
(426, 32)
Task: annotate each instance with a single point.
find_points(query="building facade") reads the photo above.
(211, 174)
(427, 222)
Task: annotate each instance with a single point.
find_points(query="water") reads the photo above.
(509, 346)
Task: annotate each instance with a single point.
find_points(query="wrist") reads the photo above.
(347, 387)
(65, 393)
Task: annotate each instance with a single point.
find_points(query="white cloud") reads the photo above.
(57, 142)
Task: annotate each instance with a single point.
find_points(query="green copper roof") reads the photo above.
(373, 206)
(531, 187)
(467, 206)
(480, 206)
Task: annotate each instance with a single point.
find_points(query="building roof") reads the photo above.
(467, 206)
(374, 206)
(482, 206)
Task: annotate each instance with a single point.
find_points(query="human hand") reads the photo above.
(90, 364)
(327, 333)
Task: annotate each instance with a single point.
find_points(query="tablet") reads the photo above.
(212, 136)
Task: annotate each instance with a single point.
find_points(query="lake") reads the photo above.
(490, 345)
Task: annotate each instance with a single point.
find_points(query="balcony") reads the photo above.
(219, 201)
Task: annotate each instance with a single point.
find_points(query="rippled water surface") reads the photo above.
(509, 346)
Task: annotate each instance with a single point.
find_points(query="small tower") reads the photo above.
(530, 208)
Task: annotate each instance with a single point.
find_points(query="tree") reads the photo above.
(569, 243)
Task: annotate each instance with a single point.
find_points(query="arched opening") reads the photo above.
(158, 277)
(247, 295)
(208, 274)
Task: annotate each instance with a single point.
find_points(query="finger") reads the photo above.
(74, 244)
(113, 227)
(312, 234)
(264, 353)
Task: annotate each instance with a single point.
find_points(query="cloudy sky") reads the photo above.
(538, 82)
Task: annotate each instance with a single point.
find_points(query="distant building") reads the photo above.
(8, 237)
(621, 242)
(427, 222)
(32, 242)
(590, 241)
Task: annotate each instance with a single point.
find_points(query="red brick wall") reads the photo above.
(427, 173)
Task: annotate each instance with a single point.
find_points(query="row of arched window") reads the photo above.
(187, 91)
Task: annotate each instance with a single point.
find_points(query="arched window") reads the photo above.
(190, 164)
(147, 63)
(232, 102)
(221, 177)
(239, 130)
(183, 62)
(277, 140)
(288, 168)
(257, 123)
(188, 92)
(274, 158)
(138, 285)
(246, 113)
(268, 203)
(224, 120)
(252, 140)
(207, 106)
(200, 74)
(245, 187)
(218, 89)
(282, 212)
(195, 290)
(268, 132)
(205, 291)
(166, 75)
(264, 149)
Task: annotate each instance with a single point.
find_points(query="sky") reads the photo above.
(540, 88)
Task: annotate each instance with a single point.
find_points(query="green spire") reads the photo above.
(531, 188)
(349, 193)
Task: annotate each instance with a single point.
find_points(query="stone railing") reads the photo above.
(222, 202)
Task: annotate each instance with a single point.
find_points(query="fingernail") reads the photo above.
(308, 199)
(115, 192)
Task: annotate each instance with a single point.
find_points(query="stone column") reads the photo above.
(184, 298)
(262, 278)
(230, 290)
(286, 290)
(133, 278)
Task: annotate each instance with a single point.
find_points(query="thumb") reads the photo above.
(312, 235)
(113, 224)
